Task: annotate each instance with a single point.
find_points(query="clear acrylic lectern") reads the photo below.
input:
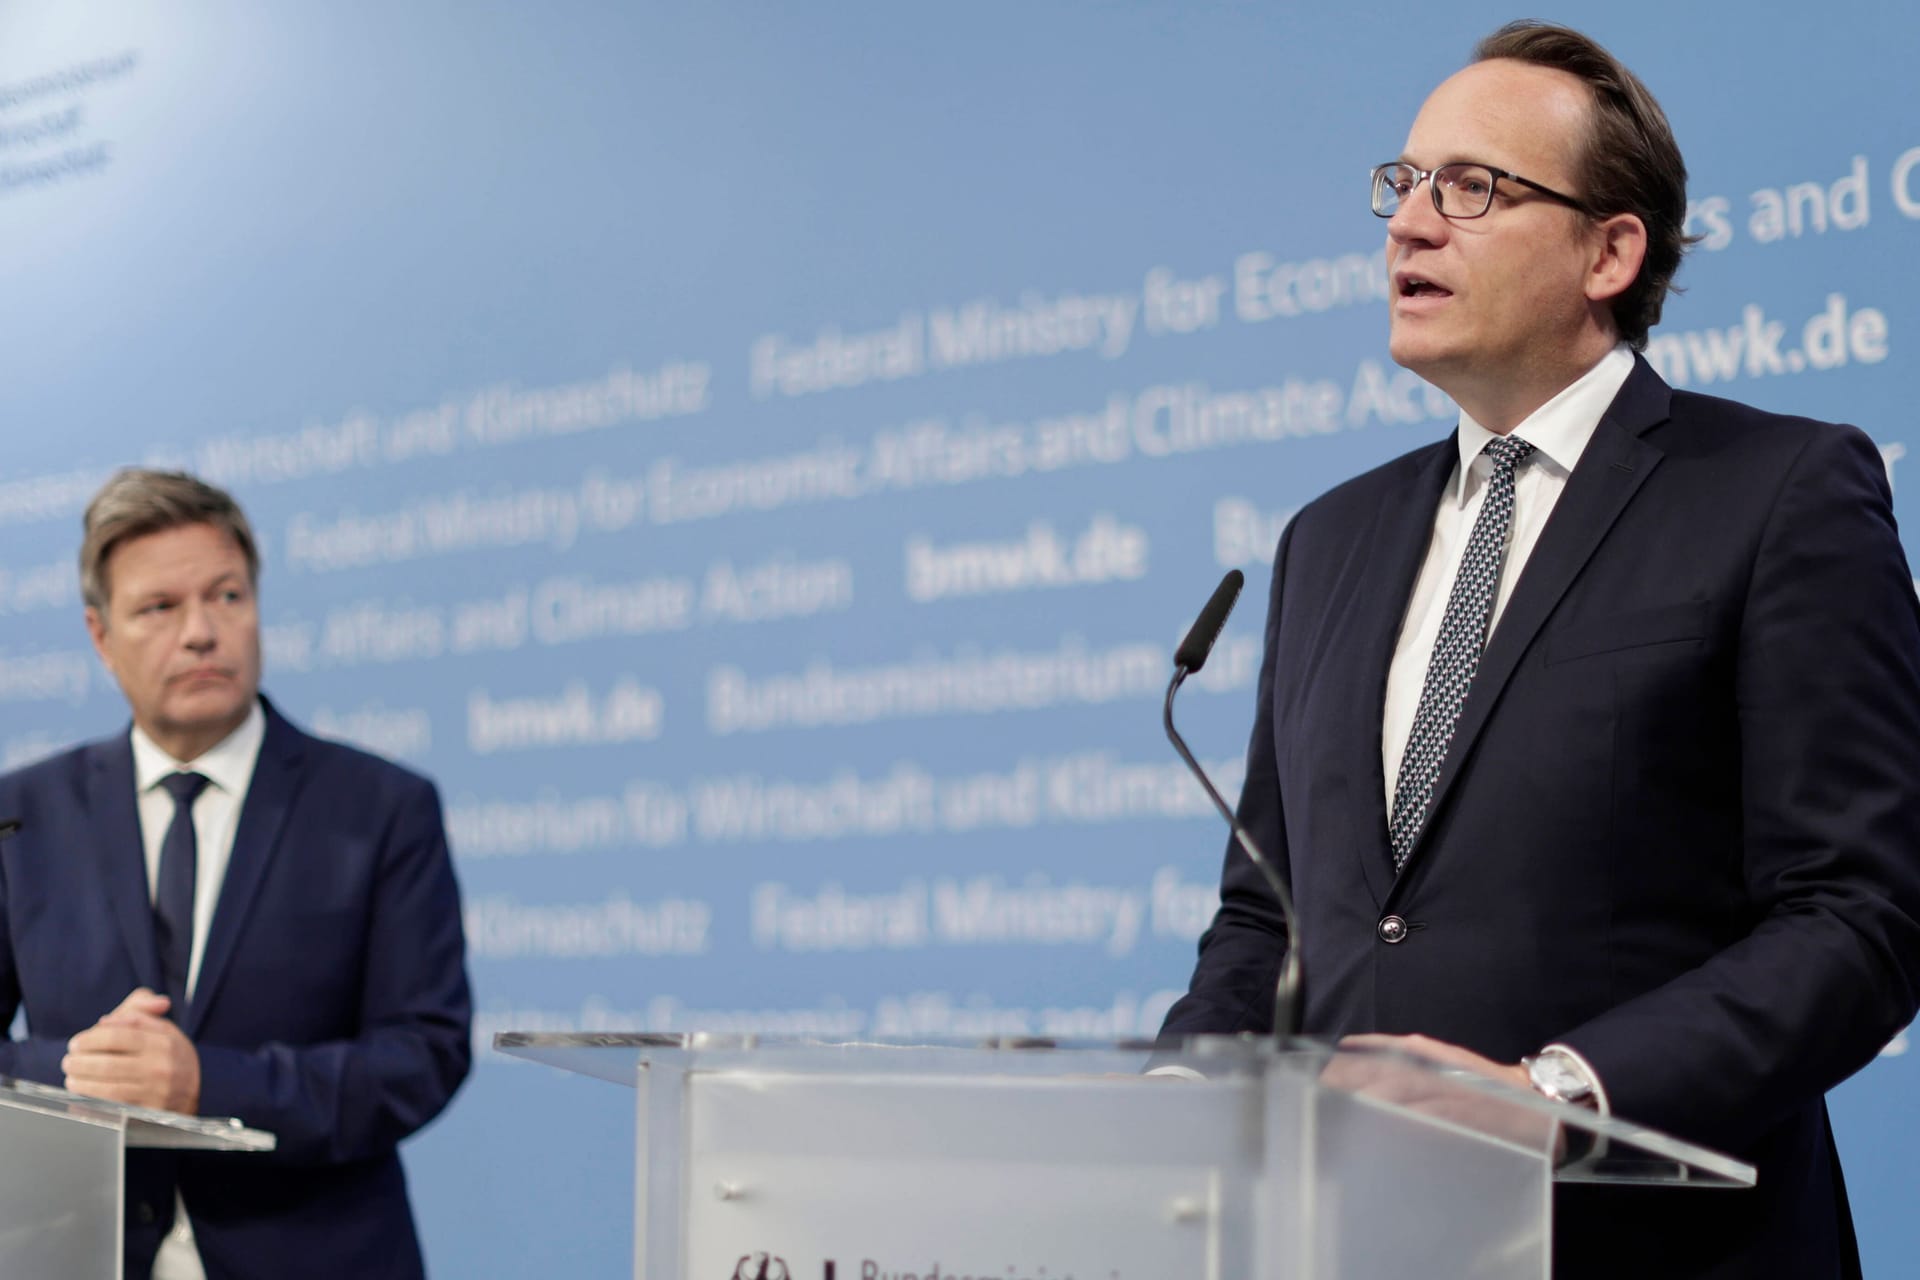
(767, 1159)
(62, 1180)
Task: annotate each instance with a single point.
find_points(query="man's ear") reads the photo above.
(1620, 247)
(97, 632)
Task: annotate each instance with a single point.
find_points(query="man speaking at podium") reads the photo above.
(214, 913)
(1588, 738)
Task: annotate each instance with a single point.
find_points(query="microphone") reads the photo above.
(1187, 659)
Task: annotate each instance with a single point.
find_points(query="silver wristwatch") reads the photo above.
(1558, 1076)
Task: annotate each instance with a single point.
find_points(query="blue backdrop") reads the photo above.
(759, 458)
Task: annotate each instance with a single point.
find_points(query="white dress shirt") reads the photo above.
(228, 768)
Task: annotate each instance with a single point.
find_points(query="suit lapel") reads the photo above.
(256, 840)
(1398, 547)
(1611, 470)
(120, 854)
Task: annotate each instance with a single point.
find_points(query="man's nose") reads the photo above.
(1417, 218)
(197, 629)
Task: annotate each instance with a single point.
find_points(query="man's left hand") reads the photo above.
(1360, 1067)
(1451, 1055)
(135, 1055)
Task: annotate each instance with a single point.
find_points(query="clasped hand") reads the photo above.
(136, 1055)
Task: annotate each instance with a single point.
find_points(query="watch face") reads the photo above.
(1559, 1080)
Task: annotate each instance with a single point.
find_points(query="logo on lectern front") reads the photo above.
(760, 1266)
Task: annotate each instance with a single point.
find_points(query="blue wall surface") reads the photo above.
(759, 458)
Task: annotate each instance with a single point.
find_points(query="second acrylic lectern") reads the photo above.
(1216, 1158)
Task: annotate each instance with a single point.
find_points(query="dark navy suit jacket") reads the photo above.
(1678, 827)
(331, 1008)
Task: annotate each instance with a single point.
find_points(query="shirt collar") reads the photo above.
(1558, 430)
(228, 764)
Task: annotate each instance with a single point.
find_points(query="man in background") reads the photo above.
(214, 913)
(1588, 738)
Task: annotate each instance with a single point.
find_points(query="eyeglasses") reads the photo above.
(1459, 190)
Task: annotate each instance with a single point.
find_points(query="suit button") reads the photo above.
(1392, 929)
(143, 1214)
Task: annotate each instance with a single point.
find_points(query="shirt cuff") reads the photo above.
(1174, 1069)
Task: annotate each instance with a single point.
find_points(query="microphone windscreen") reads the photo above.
(1193, 651)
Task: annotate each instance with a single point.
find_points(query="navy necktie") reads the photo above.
(173, 893)
(1456, 650)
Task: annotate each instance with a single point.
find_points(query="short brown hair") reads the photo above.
(1630, 164)
(137, 502)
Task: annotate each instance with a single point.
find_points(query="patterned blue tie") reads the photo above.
(173, 894)
(1456, 651)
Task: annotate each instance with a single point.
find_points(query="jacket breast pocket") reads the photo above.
(1635, 629)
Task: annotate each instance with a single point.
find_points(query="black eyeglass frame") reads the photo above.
(1433, 189)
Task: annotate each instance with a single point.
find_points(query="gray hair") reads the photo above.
(138, 501)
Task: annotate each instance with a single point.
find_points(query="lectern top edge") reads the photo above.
(1376, 1078)
(145, 1127)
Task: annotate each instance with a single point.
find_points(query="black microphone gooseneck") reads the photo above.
(1187, 659)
